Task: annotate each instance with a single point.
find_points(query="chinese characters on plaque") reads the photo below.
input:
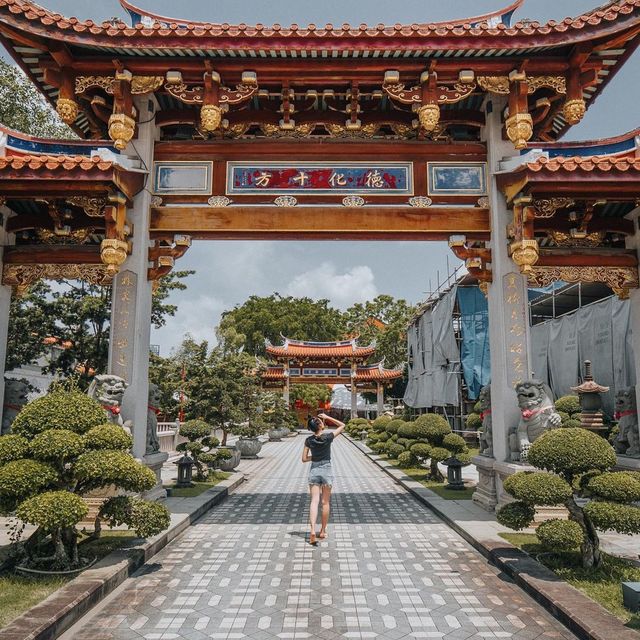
(390, 178)
(515, 306)
(123, 328)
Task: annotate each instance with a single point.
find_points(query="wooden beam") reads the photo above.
(577, 258)
(322, 223)
(52, 254)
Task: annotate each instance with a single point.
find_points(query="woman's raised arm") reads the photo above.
(339, 425)
(306, 455)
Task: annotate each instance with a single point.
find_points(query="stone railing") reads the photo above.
(168, 436)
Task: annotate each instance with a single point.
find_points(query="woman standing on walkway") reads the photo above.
(317, 450)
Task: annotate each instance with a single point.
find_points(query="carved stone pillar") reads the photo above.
(507, 300)
(633, 242)
(131, 308)
(287, 385)
(380, 399)
(5, 305)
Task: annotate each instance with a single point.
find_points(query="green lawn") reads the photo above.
(18, 594)
(601, 585)
(200, 487)
(420, 474)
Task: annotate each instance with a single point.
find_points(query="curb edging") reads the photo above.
(584, 617)
(63, 608)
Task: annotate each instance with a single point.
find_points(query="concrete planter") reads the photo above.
(249, 447)
(275, 435)
(231, 463)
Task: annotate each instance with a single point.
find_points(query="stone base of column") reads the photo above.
(628, 464)
(155, 461)
(485, 494)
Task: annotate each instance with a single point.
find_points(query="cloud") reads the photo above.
(197, 317)
(341, 289)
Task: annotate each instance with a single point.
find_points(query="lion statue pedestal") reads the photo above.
(485, 493)
(627, 442)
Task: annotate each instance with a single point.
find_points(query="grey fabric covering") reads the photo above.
(600, 332)
(434, 357)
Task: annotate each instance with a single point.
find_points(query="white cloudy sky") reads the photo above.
(344, 272)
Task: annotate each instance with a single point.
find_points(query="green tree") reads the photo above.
(23, 108)
(311, 394)
(271, 317)
(78, 314)
(575, 472)
(384, 321)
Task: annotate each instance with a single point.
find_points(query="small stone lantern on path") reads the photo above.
(454, 473)
(185, 471)
(590, 400)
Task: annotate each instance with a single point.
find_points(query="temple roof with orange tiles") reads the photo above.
(320, 351)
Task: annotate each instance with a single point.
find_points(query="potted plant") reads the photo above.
(276, 416)
(201, 446)
(228, 458)
(60, 450)
(250, 423)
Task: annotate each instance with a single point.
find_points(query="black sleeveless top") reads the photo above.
(320, 446)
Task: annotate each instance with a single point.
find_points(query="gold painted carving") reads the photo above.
(619, 279)
(67, 109)
(298, 131)
(547, 207)
(429, 116)
(182, 92)
(401, 94)
(210, 117)
(519, 129)
(574, 110)
(236, 130)
(195, 95)
(494, 84)
(340, 131)
(93, 207)
(483, 285)
(80, 236)
(121, 129)
(460, 91)
(113, 253)
(525, 254)
(562, 239)
(557, 83)
(139, 84)
(22, 276)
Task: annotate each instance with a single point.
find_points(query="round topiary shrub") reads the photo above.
(568, 404)
(25, 477)
(394, 450)
(12, 447)
(564, 416)
(516, 515)
(541, 489)
(407, 430)
(382, 437)
(393, 426)
(211, 441)
(572, 423)
(570, 452)
(560, 535)
(406, 460)
(380, 423)
(611, 516)
(195, 429)
(405, 442)
(97, 469)
(616, 486)
(473, 421)
(70, 410)
(107, 436)
(53, 510)
(146, 518)
(57, 445)
(421, 451)
(378, 447)
(431, 426)
(454, 442)
(439, 454)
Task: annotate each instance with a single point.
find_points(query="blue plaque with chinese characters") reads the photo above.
(457, 178)
(318, 178)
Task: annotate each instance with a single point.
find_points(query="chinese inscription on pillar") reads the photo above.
(515, 306)
(122, 332)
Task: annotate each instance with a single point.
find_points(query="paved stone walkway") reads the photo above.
(389, 570)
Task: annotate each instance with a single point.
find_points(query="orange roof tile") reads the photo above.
(51, 163)
(586, 22)
(363, 374)
(584, 163)
(297, 348)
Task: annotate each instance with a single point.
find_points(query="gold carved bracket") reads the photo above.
(195, 95)
(500, 85)
(22, 276)
(564, 239)
(139, 84)
(547, 207)
(92, 206)
(619, 279)
(163, 255)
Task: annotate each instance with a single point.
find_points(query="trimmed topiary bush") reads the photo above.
(201, 446)
(568, 404)
(380, 423)
(421, 451)
(473, 422)
(406, 460)
(378, 447)
(145, 518)
(576, 464)
(407, 430)
(394, 450)
(66, 451)
(393, 426)
(560, 535)
(454, 443)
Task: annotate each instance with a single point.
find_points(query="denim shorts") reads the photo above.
(321, 473)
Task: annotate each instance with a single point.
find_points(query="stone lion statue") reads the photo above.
(16, 394)
(537, 415)
(108, 390)
(627, 441)
(153, 444)
(486, 435)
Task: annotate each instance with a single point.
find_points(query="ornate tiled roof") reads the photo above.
(587, 23)
(584, 163)
(319, 350)
(372, 373)
(51, 163)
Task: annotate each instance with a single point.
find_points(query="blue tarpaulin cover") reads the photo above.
(476, 361)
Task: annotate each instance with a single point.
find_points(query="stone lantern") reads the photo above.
(454, 473)
(590, 400)
(185, 471)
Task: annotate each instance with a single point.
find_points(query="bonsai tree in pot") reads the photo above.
(59, 451)
(201, 446)
(575, 465)
(250, 422)
(276, 415)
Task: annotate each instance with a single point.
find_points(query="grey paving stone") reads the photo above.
(390, 569)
